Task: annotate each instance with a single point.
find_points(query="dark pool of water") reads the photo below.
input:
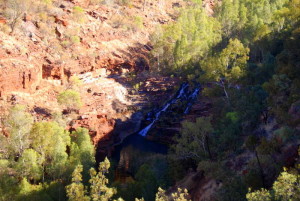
(139, 143)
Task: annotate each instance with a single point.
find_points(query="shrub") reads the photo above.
(75, 39)
(138, 21)
(124, 2)
(69, 99)
(78, 14)
(65, 43)
(15, 10)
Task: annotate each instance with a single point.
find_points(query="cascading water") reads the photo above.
(138, 143)
(181, 90)
(182, 93)
(192, 97)
(145, 130)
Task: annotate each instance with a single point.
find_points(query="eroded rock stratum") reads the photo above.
(101, 46)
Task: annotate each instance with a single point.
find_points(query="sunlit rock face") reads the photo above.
(99, 125)
(18, 70)
(83, 3)
(38, 59)
(104, 101)
(105, 94)
(27, 79)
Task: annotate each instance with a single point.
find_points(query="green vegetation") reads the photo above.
(227, 66)
(69, 99)
(138, 22)
(180, 45)
(99, 190)
(78, 14)
(18, 123)
(285, 188)
(246, 52)
(76, 191)
(15, 10)
(37, 158)
(194, 140)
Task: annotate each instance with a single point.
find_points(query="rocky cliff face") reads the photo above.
(99, 44)
(18, 70)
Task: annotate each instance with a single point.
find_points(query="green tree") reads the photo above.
(260, 195)
(76, 191)
(82, 150)
(185, 42)
(51, 141)
(99, 189)
(251, 143)
(29, 192)
(285, 188)
(228, 15)
(18, 124)
(179, 195)
(9, 188)
(233, 187)
(69, 99)
(15, 10)
(146, 182)
(284, 86)
(30, 165)
(228, 66)
(161, 195)
(233, 60)
(193, 141)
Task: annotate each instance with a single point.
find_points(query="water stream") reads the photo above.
(136, 147)
(191, 99)
(183, 93)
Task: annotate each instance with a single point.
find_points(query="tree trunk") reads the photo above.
(158, 62)
(208, 148)
(225, 91)
(260, 169)
(12, 26)
(43, 169)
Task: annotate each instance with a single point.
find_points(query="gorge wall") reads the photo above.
(102, 42)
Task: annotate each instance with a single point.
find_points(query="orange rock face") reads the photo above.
(17, 71)
(100, 127)
(37, 60)
(2, 20)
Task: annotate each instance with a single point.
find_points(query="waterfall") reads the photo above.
(182, 89)
(191, 98)
(145, 130)
(182, 93)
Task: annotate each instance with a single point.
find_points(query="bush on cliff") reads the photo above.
(70, 100)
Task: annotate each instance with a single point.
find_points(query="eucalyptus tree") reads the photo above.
(76, 190)
(18, 124)
(51, 141)
(99, 189)
(193, 141)
(82, 151)
(285, 188)
(228, 66)
(184, 42)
